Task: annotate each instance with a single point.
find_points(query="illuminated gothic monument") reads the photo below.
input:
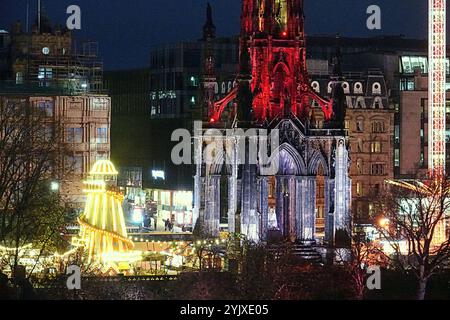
(272, 91)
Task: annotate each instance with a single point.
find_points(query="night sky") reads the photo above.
(126, 29)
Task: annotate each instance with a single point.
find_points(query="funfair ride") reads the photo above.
(103, 232)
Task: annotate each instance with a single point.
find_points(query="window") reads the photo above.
(376, 88)
(397, 158)
(316, 86)
(100, 104)
(101, 156)
(48, 133)
(19, 78)
(397, 134)
(330, 87)
(377, 169)
(320, 212)
(377, 127)
(193, 81)
(74, 135)
(377, 103)
(360, 166)
(360, 103)
(360, 145)
(75, 163)
(375, 147)
(102, 135)
(192, 101)
(359, 188)
(358, 88)
(346, 87)
(360, 125)
(47, 107)
(44, 74)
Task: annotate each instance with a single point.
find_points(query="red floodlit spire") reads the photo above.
(273, 33)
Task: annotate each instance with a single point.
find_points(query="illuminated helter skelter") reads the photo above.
(103, 233)
(437, 55)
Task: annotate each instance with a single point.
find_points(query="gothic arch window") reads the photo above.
(229, 86)
(346, 87)
(360, 103)
(224, 88)
(281, 74)
(216, 88)
(376, 88)
(377, 103)
(316, 86)
(358, 88)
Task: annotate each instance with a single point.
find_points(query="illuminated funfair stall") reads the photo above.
(102, 225)
(437, 52)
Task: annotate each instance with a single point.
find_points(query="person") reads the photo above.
(155, 221)
(6, 292)
(166, 224)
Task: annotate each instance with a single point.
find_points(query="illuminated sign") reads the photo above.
(158, 174)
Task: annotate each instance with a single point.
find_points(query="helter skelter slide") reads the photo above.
(102, 225)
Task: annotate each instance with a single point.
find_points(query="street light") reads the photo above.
(54, 186)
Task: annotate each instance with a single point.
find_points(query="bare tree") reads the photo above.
(31, 155)
(413, 221)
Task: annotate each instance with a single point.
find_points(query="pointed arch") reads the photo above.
(317, 159)
(288, 155)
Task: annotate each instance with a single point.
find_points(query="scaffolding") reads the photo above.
(75, 73)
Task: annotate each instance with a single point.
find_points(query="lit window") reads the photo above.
(359, 188)
(102, 135)
(376, 147)
(19, 78)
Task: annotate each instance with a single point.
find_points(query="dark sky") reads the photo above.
(125, 29)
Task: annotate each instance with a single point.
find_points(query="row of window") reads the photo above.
(377, 169)
(373, 189)
(48, 106)
(375, 146)
(377, 126)
(357, 87)
(76, 164)
(75, 135)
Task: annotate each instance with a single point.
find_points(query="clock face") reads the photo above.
(45, 50)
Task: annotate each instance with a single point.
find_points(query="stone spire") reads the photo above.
(209, 29)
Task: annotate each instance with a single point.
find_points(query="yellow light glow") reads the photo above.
(103, 231)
